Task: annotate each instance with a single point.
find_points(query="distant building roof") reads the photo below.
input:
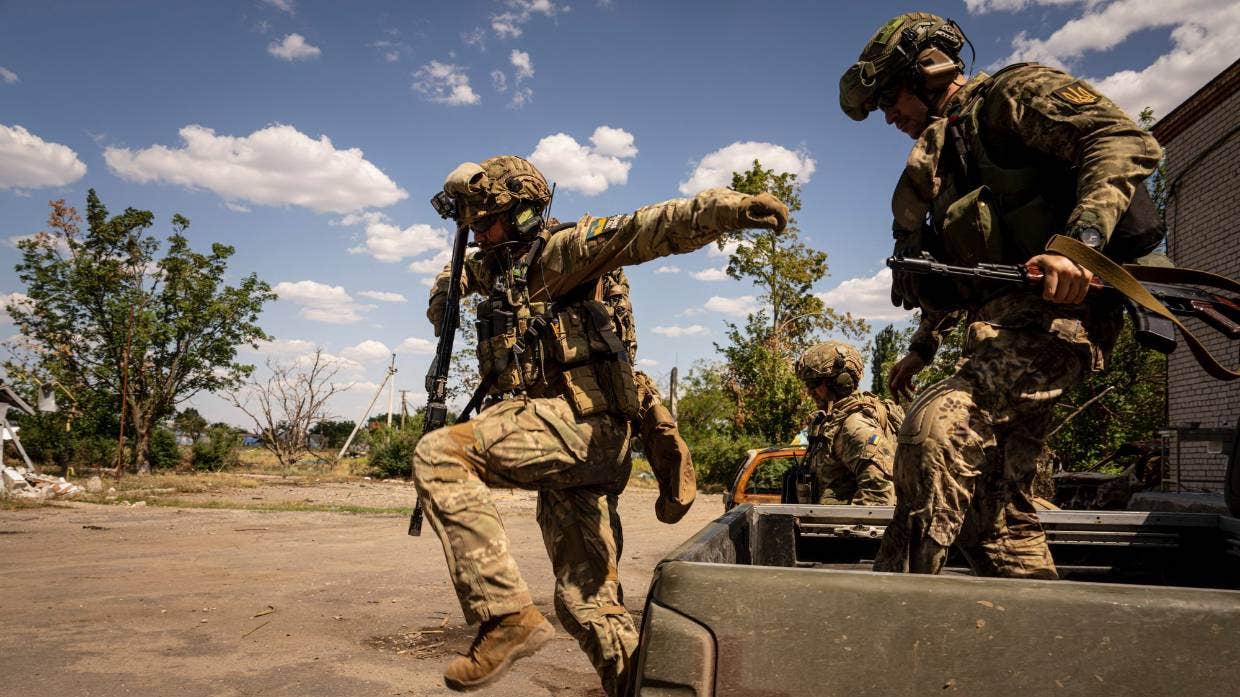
(1201, 103)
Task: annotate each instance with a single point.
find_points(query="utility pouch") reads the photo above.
(572, 345)
(583, 391)
(970, 234)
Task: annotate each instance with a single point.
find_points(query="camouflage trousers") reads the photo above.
(578, 466)
(967, 452)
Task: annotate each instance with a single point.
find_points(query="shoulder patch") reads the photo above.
(601, 227)
(596, 228)
(1076, 94)
(872, 439)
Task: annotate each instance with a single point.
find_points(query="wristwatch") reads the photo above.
(1089, 236)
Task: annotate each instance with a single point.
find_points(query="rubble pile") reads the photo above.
(18, 482)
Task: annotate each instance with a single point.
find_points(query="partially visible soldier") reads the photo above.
(1001, 164)
(562, 399)
(852, 436)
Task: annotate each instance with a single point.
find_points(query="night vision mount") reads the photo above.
(444, 205)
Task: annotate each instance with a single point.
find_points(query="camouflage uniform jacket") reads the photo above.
(851, 449)
(567, 275)
(1046, 152)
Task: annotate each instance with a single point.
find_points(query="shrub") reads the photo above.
(717, 456)
(391, 451)
(217, 450)
(162, 451)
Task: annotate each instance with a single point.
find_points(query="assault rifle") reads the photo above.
(437, 375)
(1150, 329)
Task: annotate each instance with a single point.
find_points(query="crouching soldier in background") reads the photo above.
(561, 401)
(852, 437)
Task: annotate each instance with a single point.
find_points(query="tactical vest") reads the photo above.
(886, 413)
(567, 348)
(987, 212)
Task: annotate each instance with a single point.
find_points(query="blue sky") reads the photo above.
(310, 135)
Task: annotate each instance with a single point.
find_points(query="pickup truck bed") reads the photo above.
(778, 600)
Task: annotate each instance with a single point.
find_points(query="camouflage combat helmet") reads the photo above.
(495, 185)
(837, 363)
(902, 51)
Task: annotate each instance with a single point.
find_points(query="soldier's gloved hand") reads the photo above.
(764, 211)
(900, 380)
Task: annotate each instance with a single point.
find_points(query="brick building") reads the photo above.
(1201, 138)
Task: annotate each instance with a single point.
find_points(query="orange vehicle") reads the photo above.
(760, 478)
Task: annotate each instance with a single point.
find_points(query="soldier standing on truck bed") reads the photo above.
(560, 410)
(852, 436)
(1001, 164)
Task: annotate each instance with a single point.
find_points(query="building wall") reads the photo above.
(1204, 226)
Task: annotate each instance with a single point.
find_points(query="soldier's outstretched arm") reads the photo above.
(598, 245)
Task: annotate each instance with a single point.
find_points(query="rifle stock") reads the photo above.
(436, 414)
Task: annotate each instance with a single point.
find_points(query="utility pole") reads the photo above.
(404, 408)
(391, 392)
(349, 441)
(671, 392)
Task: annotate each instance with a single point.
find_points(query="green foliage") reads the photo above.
(217, 450)
(706, 418)
(162, 451)
(1133, 408)
(1157, 182)
(889, 346)
(191, 423)
(334, 432)
(391, 450)
(109, 316)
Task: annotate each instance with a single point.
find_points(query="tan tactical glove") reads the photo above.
(764, 211)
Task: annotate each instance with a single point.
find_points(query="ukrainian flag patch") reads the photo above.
(873, 439)
(595, 228)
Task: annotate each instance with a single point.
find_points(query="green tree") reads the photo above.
(333, 432)
(191, 423)
(113, 320)
(889, 346)
(769, 400)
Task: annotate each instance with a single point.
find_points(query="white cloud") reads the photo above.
(293, 47)
(476, 38)
(520, 97)
(384, 296)
(712, 274)
(728, 249)
(522, 62)
(388, 242)
(716, 168)
(7, 76)
(585, 168)
(676, 331)
(432, 265)
(29, 162)
(738, 307)
(369, 351)
(321, 302)
(58, 241)
(647, 363)
(391, 50)
(19, 299)
(236, 207)
(288, 6)
(613, 142)
(444, 83)
(416, 345)
(667, 268)
(285, 347)
(983, 6)
(867, 298)
(275, 166)
(508, 24)
(1203, 37)
(499, 81)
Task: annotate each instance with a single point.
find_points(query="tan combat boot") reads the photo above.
(500, 641)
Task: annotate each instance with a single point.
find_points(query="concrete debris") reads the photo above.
(22, 484)
(94, 485)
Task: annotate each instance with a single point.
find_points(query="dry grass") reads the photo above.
(281, 506)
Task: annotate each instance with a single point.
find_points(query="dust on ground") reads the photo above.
(110, 600)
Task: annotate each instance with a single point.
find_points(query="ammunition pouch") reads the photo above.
(596, 374)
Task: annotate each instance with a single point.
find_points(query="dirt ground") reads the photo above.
(111, 600)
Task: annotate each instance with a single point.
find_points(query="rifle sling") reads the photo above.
(1124, 283)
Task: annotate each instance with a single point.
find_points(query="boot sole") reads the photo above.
(536, 640)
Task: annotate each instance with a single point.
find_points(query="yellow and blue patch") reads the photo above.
(595, 228)
(1077, 94)
(873, 439)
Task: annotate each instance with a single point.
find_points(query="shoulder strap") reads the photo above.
(1124, 282)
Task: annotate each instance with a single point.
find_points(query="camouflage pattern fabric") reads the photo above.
(852, 450)
(577, 464)
(967, 451)
(667, 452)
(966, 454)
